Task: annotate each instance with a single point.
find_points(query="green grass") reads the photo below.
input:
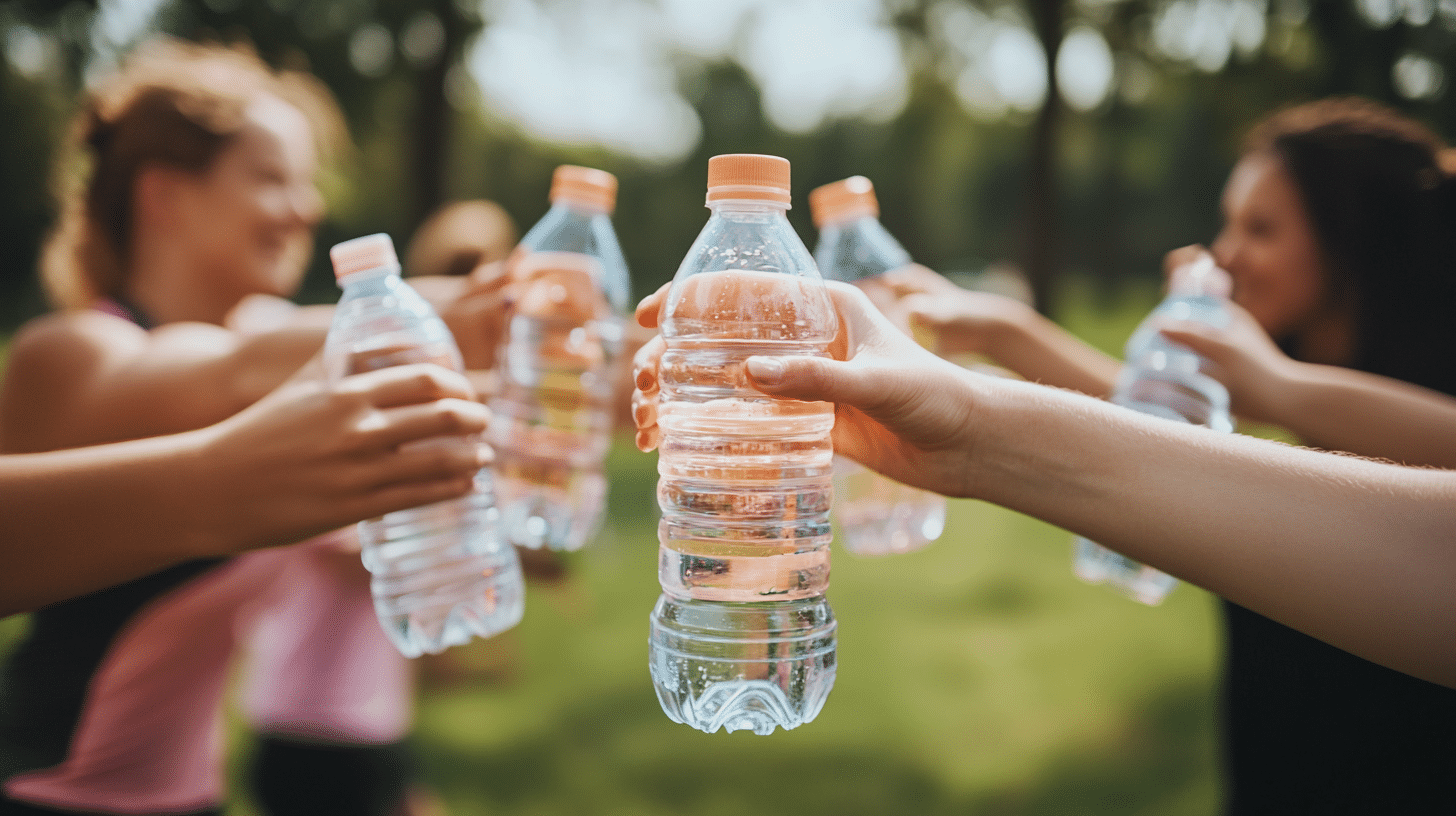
(976, 676)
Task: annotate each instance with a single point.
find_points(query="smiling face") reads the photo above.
(1269, 248)
(249, 219)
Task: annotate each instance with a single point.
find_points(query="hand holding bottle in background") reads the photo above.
(441, 573)
(876, 515)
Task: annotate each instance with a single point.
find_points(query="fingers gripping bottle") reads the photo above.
(742, 636)
(1162, 378)
(877, 515)
(554, 410)
(441, 573)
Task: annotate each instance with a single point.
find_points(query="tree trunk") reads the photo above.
(1040, 255)
(430, 140)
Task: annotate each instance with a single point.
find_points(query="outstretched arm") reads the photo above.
(85, 378)
(303, 461)
(1010, 333)
(1357, 553)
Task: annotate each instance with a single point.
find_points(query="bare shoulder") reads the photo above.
(62, 347)
(52, 360)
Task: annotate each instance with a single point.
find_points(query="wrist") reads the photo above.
(1287, 392)
(1031, 446)
(1011, 330)
(197, 501)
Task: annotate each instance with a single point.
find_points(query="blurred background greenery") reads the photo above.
(1076, 140)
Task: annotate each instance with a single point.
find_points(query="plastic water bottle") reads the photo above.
(876, 514)
(441, 573)
(742, 636)
(552, 414)
(580, 220)
(1165, 379)
(554, 409)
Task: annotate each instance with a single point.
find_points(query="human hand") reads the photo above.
(475, 308)
(898, 409)
(310, 457)
(960, 321)
(1243, 358)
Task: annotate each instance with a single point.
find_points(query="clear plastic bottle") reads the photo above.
(552, 413)
(554, 408)
(742, 636)
(441, 573)
(877, 515)
(1164, 379)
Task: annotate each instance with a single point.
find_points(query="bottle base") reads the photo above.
(742, 667)
(536, 518)
(494, 601)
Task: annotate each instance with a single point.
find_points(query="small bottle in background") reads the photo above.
(1161, 378)
(551, 490)
(876, 515)
(441, 573)
(742, 636)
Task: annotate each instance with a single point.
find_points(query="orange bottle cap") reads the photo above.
(748, 176)
(363, 254)
(853, 197)
(587, 186)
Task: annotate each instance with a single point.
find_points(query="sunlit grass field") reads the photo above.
(976, 676)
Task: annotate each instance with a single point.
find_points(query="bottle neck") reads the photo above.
(747, 206)
(850, 222)
(583, 209)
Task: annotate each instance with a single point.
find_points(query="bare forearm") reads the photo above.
(1356, 553)
(1043, 352)
(1343, 409)
(77, 521)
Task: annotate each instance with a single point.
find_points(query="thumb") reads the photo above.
(811, 379)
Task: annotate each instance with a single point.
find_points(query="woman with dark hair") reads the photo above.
(1340, 236)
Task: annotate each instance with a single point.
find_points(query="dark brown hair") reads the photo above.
(174, 104)
(1383, 209)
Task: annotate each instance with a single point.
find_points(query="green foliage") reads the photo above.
(1137, 176)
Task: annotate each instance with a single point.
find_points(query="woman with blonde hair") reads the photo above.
(193, 193)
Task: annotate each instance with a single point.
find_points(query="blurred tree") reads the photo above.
(1103, 188)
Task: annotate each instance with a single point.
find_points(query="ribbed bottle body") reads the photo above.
(551, 424)
(440, 573)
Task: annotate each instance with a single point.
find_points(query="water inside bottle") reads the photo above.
(551, 429)
(742, 637)
(879, 516)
